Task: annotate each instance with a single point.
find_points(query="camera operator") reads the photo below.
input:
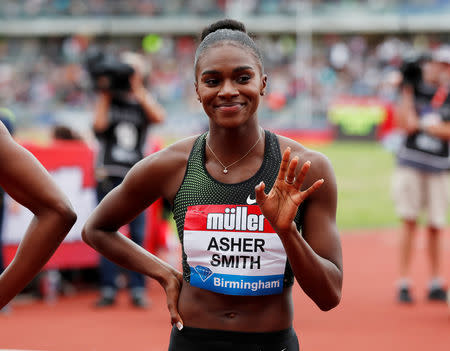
(420, 177)
(122, 115)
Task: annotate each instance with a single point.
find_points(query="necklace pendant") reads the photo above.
(225, 170)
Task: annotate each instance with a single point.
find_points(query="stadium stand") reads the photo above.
(314, 53)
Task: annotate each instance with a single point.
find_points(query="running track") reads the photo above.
(368, 317)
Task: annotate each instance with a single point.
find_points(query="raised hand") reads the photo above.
(281, 204)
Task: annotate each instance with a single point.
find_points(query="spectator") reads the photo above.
(420, 178)
(120, 123)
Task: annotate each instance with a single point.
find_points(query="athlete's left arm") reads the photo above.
(315, 254)
(439, 130)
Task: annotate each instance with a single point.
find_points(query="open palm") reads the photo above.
(281, 204)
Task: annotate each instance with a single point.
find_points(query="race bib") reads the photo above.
(233, 250)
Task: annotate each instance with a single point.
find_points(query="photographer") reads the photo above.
(420, 177)
(124, 109)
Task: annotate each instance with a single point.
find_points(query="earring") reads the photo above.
(262, 93)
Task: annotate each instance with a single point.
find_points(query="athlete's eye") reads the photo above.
(244, 78)
(211, 81)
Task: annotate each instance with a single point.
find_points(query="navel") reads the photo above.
(230, 315)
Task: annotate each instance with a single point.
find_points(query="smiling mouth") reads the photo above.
(230, 108)
(234, 104)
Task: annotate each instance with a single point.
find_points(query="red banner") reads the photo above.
(71, 164)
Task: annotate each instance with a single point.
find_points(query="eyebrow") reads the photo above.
(237, 69)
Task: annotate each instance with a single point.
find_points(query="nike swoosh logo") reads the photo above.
(250, 201)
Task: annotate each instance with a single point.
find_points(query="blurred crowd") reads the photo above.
(40, 8)
(44, 80)
(136, 7)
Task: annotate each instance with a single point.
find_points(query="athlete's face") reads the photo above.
(229, 84)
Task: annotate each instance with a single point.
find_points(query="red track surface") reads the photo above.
(368, 317)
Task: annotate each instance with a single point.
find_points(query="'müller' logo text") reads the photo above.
(235, 218)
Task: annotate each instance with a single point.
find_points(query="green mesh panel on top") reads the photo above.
(199, 188)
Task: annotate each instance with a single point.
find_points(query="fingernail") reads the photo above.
(179, 326)
(308, 162)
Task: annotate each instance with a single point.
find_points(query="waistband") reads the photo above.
(235, 336)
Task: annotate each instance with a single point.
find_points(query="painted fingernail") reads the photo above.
(179, 326)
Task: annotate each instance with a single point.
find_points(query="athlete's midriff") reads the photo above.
(205, 309)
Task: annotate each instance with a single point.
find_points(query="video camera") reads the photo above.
(107, 72)
(411, 69)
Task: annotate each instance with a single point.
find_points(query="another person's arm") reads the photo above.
(407, 119)
(405, 113)
(101, 111)
(315, 253)
(28, 183)
(154, 111)
(440, 130)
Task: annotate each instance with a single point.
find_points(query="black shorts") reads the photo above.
(196, 339)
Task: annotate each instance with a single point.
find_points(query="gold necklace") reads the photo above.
(225, 168)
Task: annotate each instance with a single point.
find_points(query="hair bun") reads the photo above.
(223, 24)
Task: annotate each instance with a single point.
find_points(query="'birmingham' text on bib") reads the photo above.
(233, 250)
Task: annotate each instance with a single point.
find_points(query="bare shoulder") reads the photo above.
(321, 166)
(172, 156)
(163, 171)
(305, 154)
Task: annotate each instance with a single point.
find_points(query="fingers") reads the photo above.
(175, 317)
(172, 294)
(313, 188)
(284, 164)
(260, 194)
(287, 172)
(287, 175)
(290, 176)
(302, 174)
(177, 321)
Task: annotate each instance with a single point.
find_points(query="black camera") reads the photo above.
(411, 69)
(107, 72)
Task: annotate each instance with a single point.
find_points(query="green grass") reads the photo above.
(363, 172)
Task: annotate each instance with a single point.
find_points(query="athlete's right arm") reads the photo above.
(158, 175)
(28, 183)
